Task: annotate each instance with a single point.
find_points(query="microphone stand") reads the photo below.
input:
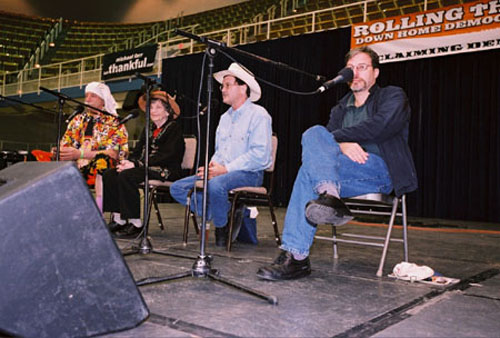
(62, 98)
(222, 45)
(60, 104)
(202, 265)
(28, 104)
(59, 113)
(68, 98)
(145, 247)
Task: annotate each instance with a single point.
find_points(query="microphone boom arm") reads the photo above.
(222, 45)
(65, 97)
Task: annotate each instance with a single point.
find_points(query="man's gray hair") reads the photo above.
(367, 50)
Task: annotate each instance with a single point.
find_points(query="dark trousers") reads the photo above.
(121, 191)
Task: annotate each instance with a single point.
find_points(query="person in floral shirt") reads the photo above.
(93, 139)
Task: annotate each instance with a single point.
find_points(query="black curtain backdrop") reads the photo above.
(455, 106)
(454, 133)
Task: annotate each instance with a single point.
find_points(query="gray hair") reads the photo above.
(367, 50)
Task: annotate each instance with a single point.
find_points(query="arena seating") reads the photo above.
(343, 17)
(229, 16)
(21, 35)
(81, 39)
(84, 39)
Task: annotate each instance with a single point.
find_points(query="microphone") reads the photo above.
(214, 103)
(199, 38)
(345, 75)
(145, 78)
(77, 111)
(130, 116)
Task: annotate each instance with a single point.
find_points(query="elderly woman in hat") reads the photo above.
(242, 149)
(121, 185)
(92, 138)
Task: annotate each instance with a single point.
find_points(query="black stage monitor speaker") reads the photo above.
(61, 274)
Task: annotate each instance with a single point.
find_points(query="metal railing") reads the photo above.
(46, 146)
(43, 48)
(81, 71)
(240, 35)
(28, 146)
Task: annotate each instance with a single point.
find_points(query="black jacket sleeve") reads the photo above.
(387, 125)
(388, 115)
(169, 153)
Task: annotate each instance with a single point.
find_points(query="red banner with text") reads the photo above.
(454, 29)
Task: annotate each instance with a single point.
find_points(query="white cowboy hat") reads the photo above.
(244, 75)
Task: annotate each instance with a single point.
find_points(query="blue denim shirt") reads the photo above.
(387, 126)
(243, 138)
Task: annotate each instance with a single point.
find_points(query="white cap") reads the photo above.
(103, 91)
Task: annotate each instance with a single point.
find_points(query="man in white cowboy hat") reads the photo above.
(242, 149)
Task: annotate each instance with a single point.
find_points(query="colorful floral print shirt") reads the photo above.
(104, 135)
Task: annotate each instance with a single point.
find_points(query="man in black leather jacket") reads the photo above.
(364, 149)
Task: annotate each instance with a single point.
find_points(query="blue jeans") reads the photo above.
(323, 162)
(218, 204)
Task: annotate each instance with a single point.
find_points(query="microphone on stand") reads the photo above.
(130, 116)
(199, 38)
(77, 111)
(345, 75)
(145, 78)
(215, 105)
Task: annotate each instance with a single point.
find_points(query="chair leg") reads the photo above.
(335, 248)
(388, 236)
(186, 218)
(196, 226)
(230, 223)
(274, 221)
(405, 227)
(157, 209)
(150, 201)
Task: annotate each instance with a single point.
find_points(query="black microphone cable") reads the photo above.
(317, 91)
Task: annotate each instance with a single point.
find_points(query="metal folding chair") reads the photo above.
(374, 204)
(249, 196)
(157, 186)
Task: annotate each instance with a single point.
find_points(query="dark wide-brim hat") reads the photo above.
(165, 97)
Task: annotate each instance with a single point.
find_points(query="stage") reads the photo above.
(340, 298)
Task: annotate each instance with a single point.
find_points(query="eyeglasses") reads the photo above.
(361, 67)
(227, 85)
